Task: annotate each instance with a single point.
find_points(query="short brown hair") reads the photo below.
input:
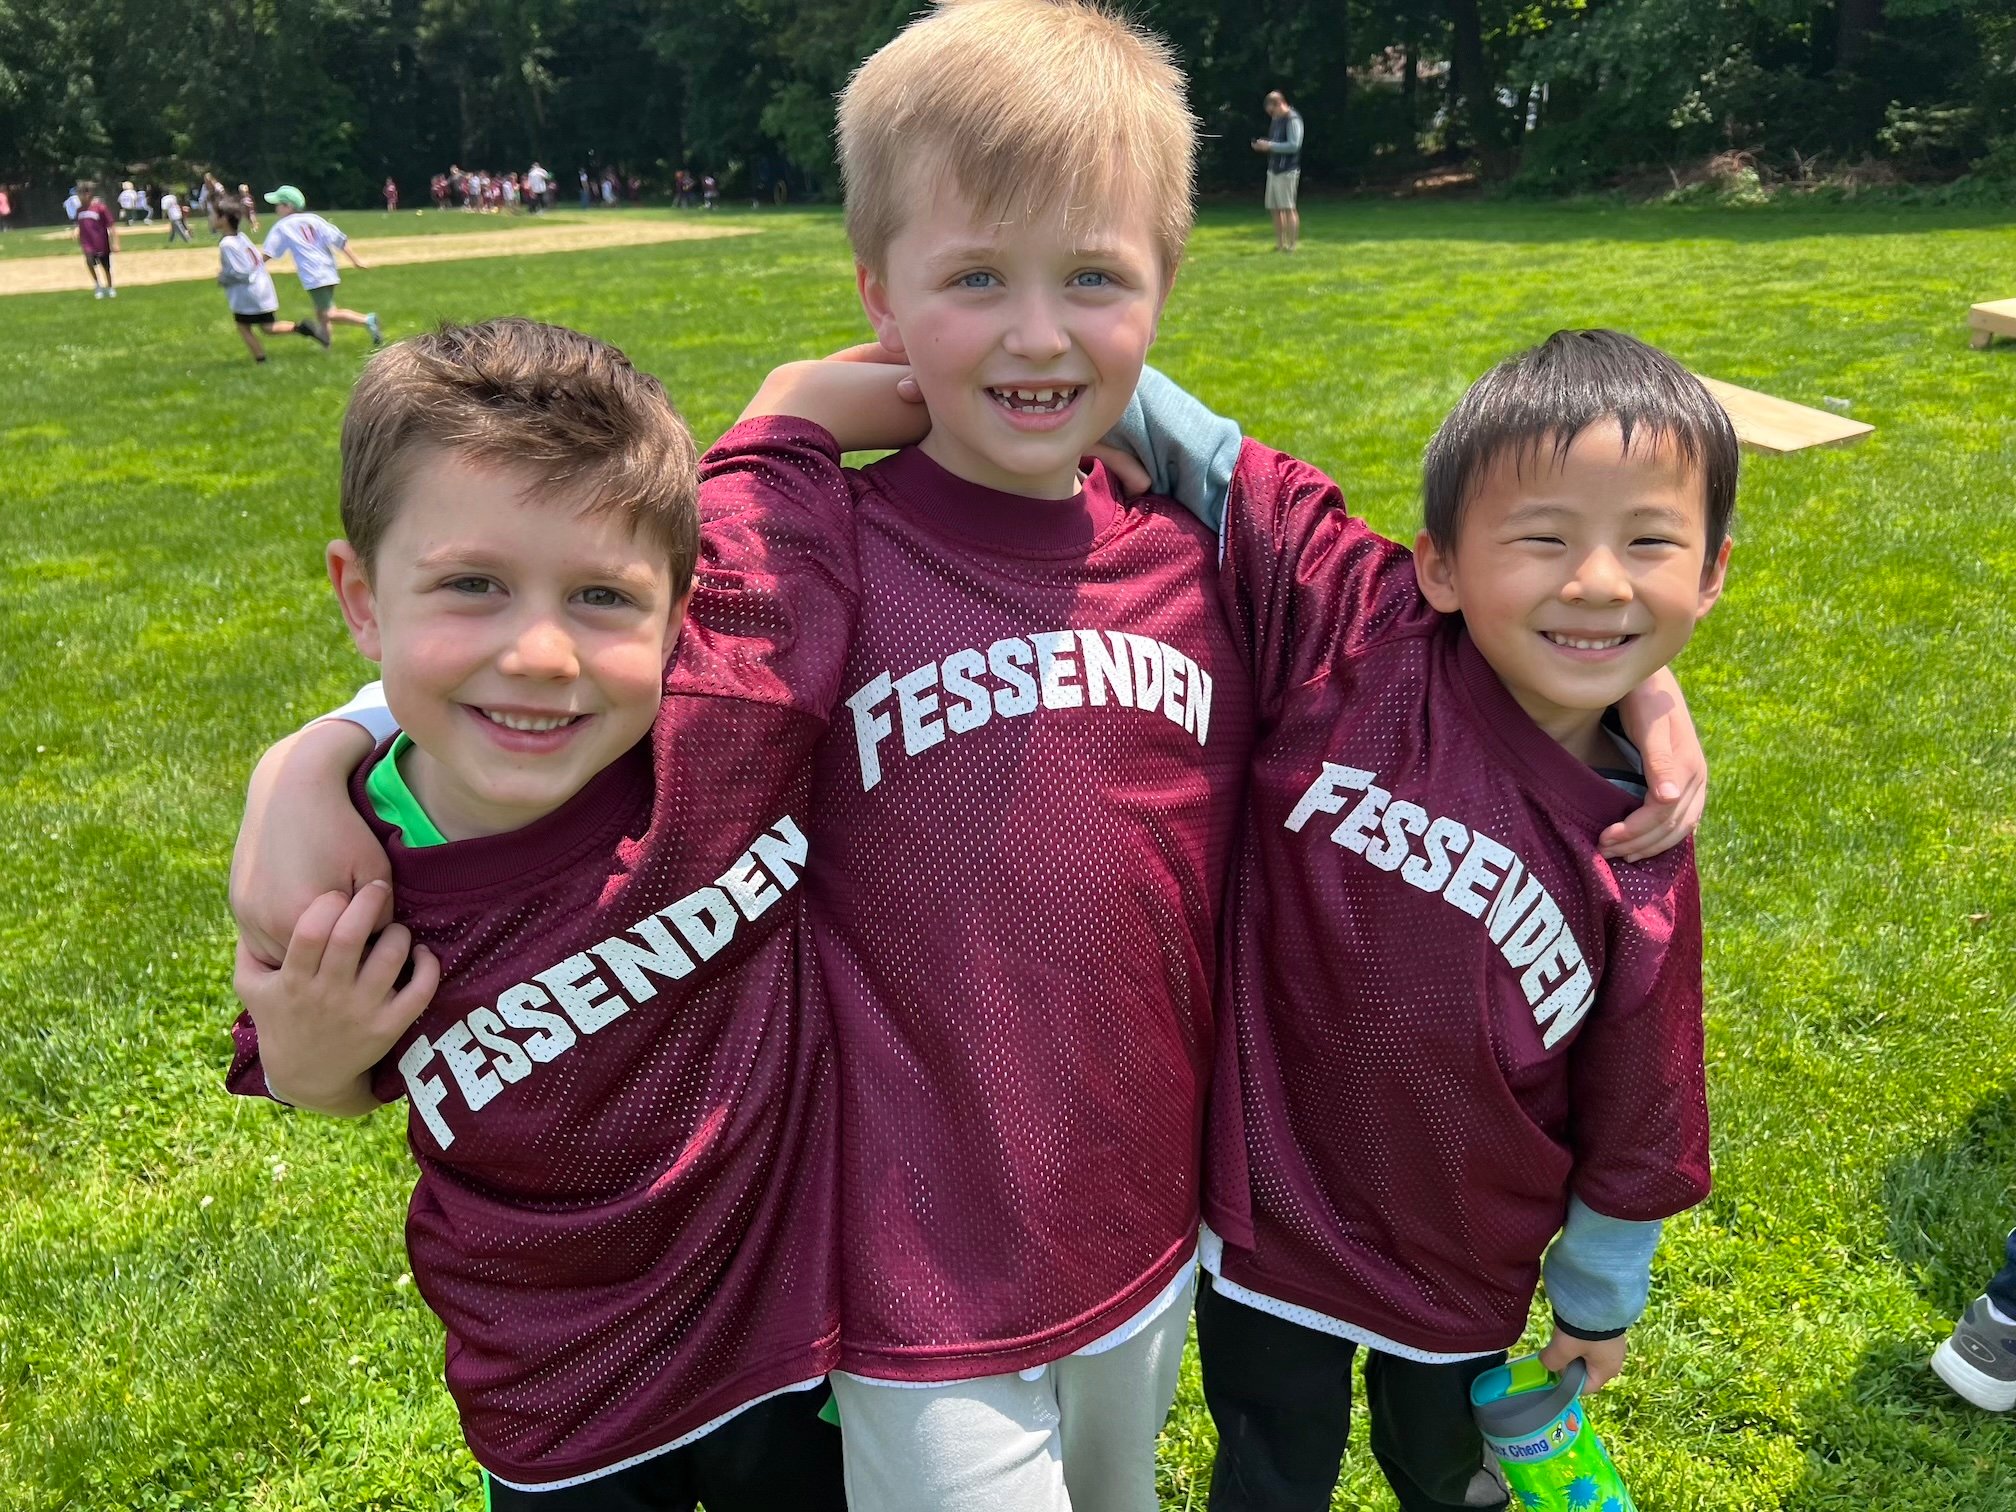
(1024, 103)
(566, 412)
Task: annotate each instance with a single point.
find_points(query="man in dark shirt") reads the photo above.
(1283, 146)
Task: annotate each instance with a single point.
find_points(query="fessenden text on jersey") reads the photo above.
(1119, 668)
(1524, 921)
(482, 1056)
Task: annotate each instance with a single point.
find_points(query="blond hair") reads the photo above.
(1023, 103)
(564, 411)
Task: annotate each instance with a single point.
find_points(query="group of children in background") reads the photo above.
(884, 932)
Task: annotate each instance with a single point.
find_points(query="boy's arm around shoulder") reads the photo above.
(1303, 579)
(777, 585)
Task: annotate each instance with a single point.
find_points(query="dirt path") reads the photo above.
(48, 275)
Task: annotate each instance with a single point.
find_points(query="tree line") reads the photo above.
(335, 95)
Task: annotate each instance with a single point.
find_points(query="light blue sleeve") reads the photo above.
(368, 710)
(1599, 1269)
(1189, 451)
(1294, 142)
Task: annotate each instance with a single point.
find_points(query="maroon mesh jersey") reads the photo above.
(1024, 808)
(622, 1100)
(1448, 1010)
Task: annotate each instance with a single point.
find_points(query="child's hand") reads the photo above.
(1676, 771)
(1604, 1357)
(331, 1010)
(302, 837)
(1127, 469)
(859, 401)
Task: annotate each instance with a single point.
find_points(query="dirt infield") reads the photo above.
(49, 275)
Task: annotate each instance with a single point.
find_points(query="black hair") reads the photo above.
(1546, 396)
(229, 211)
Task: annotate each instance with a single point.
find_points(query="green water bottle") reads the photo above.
(1534, 1422)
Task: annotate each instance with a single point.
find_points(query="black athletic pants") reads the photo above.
(776, 1457)
(1281, 1397)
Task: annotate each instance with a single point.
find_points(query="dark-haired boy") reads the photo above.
(1457, 1030)
(621, 1101)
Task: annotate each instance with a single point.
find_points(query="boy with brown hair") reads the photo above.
(620, 1105)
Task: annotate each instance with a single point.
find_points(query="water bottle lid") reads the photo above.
(1522, 1397)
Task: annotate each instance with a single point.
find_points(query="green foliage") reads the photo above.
(202, 1301)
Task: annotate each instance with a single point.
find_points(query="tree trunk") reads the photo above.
(1470, 81)
(1855, 24)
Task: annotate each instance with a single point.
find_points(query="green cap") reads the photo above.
(289, 196)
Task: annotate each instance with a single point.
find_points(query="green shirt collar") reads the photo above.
(393, 801)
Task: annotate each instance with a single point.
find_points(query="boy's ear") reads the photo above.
(1712, 578)
(1435, 571)
(875, 302)
(353, 592)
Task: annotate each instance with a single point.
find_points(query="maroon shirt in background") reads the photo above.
(625, 1128)
(94, 229)
(1023, 849)
(1405, 1137)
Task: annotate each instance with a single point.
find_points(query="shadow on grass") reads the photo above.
(1951, 1204)
(1891, 1435)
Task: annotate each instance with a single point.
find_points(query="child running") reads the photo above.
(313, 243)
(248, 288)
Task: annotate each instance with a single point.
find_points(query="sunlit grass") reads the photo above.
(201, 1300)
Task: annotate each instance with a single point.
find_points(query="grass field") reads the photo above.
(203, 1302)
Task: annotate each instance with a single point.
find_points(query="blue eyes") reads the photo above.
(1090, 278)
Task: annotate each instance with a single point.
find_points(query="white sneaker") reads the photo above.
(97, 291)
(111, 293)
(1979, 1360)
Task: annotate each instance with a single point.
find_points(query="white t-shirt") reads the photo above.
(246, 282)
(535, 181)
(171, 206)
(127, 199)
(314, 244)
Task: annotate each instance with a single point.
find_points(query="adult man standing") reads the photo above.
(1283, 146)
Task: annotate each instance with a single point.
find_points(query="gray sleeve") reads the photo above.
(1599, 1269)
(1294, 142)
(1188, 450)
(368, 710)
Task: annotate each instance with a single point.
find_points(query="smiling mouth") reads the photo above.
(1035, 401)
(534, 724)
(1585, 642)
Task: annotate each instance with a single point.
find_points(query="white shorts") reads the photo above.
(1281, 189)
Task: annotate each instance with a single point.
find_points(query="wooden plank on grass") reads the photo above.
(1996, 318)
(1768, 424)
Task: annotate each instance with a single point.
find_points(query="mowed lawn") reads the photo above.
(204, 1302)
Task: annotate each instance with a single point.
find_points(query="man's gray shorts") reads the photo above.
(1281, 189)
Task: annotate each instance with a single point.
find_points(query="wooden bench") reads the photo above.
(1997, 318)
(1767, 424)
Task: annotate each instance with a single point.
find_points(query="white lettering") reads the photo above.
(1055, 668)
(1006, 659)
(1325, 794)
(630, 961)
(1484, 854)
(921, 730)
(1146, 655)
(468, 1067)
(1566, 1006)
(1174, 665)
(426, 1093)
(1106, 668)
(1402, 819)
(1354, 832)
(576, 988)
(782, 852)
(515, 1007)
(507, 1056)
(1445, 838)
(747, 885)
(870, 728)
(975, 707)
(706, 918)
